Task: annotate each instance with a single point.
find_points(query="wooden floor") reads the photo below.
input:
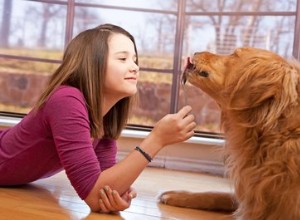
(55, 199)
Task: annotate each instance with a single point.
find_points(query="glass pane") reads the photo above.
(206, 111)
(240, 5)
(32, 29)
(154, 96)
(274, 33)
(21, 82)
(155, 40)
(147, 4)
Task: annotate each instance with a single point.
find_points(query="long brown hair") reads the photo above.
(84, 66)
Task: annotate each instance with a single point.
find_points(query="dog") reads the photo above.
(258, 94)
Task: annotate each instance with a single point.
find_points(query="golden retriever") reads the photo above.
(258, 94)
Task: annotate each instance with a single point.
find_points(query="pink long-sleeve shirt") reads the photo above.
(52, 139)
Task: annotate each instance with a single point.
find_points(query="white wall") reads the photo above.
(197, 154)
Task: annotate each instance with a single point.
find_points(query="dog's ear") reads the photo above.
(250, 92)
(263, 92)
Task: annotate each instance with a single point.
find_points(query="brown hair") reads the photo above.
(84, 66)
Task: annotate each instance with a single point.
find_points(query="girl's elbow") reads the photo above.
(93, 204)
(93, 207)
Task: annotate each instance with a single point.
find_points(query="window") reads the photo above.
(34, 34)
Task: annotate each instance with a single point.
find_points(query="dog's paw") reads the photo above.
(164, 197)
(213, 201)
(173, 198)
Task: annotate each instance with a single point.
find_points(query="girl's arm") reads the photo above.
(173, 128)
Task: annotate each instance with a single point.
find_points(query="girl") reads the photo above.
(77, 119)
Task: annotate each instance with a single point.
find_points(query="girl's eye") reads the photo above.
(123, 59)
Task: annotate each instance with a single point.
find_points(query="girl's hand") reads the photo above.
(174, 128)
(111, 201)
(129, 194)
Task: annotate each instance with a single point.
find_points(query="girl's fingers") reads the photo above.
(105, 201)
(110, 197)
(110, 200)
(103, 207)
(183, 112)
(189, 118)
(132, 193)
(122, 203)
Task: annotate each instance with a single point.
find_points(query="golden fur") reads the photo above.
(258, 94)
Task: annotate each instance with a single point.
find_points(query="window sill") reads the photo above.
(194, 140)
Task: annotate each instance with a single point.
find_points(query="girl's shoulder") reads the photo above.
(67, 97)
(65, 92)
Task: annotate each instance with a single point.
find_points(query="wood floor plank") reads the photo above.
(54, 198)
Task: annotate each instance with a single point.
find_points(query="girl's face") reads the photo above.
(122, 71)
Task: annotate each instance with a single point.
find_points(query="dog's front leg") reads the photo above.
(212, 201)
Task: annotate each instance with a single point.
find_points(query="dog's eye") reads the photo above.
(203, 73)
